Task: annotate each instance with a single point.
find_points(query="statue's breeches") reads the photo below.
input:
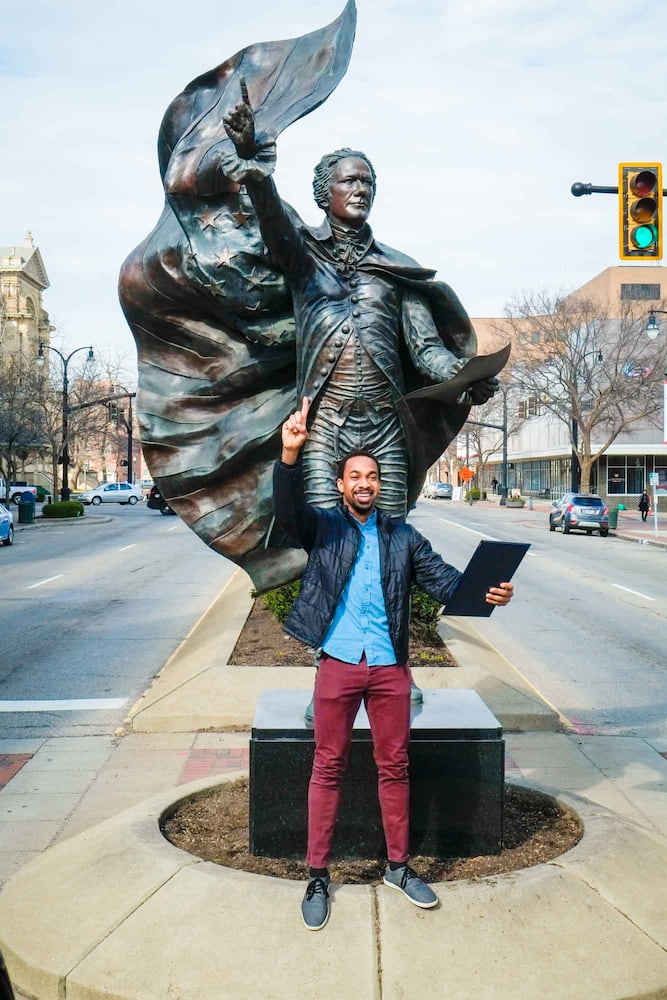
(335, 433)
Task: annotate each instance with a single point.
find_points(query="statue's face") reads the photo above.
(360, 485)
(351, 192)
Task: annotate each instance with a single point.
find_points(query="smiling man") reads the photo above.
(355, 604)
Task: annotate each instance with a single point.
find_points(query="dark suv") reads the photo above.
(156, 501)
(580, 512)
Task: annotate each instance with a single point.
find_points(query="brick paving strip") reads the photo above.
(204, 763)
(10, 765)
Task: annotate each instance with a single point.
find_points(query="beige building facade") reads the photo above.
(24, 323)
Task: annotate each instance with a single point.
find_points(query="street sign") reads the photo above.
(466, 474)
(653, 478)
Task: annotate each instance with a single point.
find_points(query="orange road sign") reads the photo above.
(466, 474)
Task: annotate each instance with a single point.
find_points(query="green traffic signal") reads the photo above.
(644, 237)
(640, 211)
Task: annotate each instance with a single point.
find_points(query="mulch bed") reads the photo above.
(214, 827)
(263, 643)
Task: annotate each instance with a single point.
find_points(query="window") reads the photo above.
(523, 409)
(125, 486)
(626, 474)
(535, 337)
(533, 406)
(615, 480)
(639, 293)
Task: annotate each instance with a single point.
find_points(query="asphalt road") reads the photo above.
(90, 613)
(588, 624)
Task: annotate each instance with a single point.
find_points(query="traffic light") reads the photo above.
(113, 413)
(640, 211)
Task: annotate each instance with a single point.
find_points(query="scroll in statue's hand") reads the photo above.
(240, 125)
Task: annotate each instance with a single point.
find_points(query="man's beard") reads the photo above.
(359, 509)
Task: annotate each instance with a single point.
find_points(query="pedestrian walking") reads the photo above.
(494, 484)
(644, 504)
(354, 605)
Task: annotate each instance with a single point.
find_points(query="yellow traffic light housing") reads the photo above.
(640, 211)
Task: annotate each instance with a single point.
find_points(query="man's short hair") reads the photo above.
(358, 453)
(324, 171)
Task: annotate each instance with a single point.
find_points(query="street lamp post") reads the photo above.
(653, 326)
(65, 490)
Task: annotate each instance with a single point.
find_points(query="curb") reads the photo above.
(90, 917)
(198, 690)
(51, 522)
(656, 542)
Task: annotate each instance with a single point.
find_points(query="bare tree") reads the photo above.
(596, 373)
(20, 424)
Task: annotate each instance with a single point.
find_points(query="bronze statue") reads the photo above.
(239, 308)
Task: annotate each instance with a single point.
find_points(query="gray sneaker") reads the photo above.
(315, 905)
(408, 882)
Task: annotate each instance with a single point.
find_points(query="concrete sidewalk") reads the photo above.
(112, 910)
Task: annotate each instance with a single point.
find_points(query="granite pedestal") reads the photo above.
(456, 780)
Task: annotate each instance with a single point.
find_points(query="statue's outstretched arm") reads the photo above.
(252, 167)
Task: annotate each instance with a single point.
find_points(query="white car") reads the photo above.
(112, 493)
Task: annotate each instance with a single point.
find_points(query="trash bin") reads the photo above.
(613, 517)
(27, 508)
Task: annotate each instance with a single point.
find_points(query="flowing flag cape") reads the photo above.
(211, 315)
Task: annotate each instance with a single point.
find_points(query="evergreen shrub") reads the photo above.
(63, 508)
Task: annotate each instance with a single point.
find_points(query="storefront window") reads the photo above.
(616, 480)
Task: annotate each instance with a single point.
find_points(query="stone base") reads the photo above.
(456, 780)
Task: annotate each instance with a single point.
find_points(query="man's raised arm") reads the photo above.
(293, 514)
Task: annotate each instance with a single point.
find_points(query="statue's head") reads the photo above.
(344, 186)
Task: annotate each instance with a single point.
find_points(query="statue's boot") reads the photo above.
(416, 693)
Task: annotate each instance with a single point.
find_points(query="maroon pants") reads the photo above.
(339, 690)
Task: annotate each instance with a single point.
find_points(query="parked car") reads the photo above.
(443, 491)
(112, 493)
(156, 501)
(14, 491)
(580, 512)
(6, 525)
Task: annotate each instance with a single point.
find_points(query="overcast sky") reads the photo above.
(477, 114)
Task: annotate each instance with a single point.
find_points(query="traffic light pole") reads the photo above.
(499, 427)
(105, 400)
(578, 189)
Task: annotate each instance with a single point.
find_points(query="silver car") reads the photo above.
(443, 491)
(112, 493)
(580, 512)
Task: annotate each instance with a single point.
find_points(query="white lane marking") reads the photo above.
(472, 531)
(42, 582)
(64, 705)
(126, 547)
(635, 592)
(174, 528)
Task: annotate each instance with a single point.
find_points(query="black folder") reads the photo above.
(491, 563)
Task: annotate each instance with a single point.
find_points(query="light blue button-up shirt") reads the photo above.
(360, 621)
